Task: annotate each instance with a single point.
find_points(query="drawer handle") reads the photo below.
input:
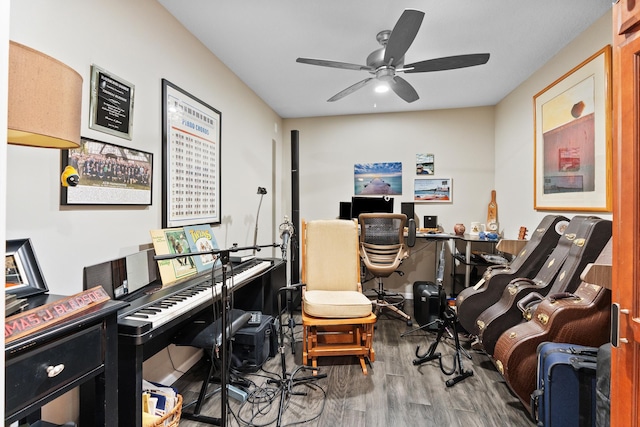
(53, 371)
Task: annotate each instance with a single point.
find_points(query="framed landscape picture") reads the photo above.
(572, 137)
(435, 190)
(381, 179)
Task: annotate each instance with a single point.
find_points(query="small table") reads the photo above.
(82, 351)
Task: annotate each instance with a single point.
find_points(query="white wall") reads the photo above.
(460, 139)
(139, 42)
(514, 131)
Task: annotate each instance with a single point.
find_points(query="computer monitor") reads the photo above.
(361, 204)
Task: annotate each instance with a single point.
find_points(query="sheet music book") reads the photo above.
(201, 239)
(173, 241)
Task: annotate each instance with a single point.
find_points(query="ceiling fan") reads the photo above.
(388, 60)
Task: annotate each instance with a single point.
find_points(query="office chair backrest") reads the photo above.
(330, 255)
(382, 243)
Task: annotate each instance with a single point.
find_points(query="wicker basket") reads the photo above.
(171, 418)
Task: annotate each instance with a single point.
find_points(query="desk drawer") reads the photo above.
(67, 359)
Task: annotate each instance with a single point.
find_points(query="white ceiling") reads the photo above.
(259, 40)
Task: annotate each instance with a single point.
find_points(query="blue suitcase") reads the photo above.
(566, 384)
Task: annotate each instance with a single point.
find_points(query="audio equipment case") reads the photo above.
(429, 301)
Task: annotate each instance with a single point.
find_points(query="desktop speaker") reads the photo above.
(345, 210)
(407, 208)
(430, 221)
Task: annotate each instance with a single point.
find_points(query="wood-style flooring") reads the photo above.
(394, 393)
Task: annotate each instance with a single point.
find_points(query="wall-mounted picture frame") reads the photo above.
(572, 139)
(434, 190)
(191, 174)
(109, 174)
(23, 276)
(371, 179)
(111, 103)
(425, 164)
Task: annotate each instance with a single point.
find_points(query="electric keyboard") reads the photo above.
(150, 314)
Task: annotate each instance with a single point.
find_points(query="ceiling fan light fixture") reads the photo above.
(382, 87)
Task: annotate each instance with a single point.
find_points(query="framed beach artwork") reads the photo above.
(371, 179)
(572, 170)
(425, 164)
(437, 190)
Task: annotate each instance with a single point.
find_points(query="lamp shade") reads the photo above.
(45, 100)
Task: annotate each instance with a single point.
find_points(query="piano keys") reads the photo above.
(174, 302)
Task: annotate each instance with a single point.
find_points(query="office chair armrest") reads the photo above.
(411, 233)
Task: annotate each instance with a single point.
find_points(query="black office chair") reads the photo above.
(208, 337)
(383, 247)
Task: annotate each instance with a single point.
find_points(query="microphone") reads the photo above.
(286, 229)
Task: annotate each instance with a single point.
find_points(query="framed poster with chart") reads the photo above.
(191, 174)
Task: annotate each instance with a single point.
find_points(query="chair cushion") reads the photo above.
(336, 304)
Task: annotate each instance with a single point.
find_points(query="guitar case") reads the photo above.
(582, 241)
(582, 317)
(474, 300)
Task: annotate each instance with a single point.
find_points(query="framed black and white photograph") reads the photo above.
(22, 272)
(111, 103)
(191, 172)
(107, 174)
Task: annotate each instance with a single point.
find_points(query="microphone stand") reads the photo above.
(287, 382)
(261, 191)
(223, 255)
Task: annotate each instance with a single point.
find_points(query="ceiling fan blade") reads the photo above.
(402, 36)
(447, 63)
(403, 89)
(350, 89)
(334, 64)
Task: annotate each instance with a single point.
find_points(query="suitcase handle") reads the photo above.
(589, 351)
(579, 363)
(535, 397)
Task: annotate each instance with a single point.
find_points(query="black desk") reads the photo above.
(469, 239)
(257, 293)
(84, 347)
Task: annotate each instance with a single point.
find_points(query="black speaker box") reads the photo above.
(430, 221)
(407, 208)
(345, 210)
(254, 344)
(429, 302)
